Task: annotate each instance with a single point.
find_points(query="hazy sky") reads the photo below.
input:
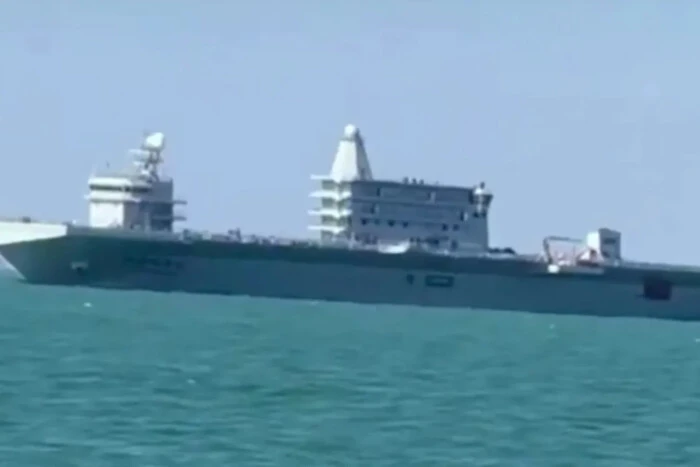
(576, 114)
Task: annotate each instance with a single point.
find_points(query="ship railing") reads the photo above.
(657, 266)
(32, 220)
(235, 236)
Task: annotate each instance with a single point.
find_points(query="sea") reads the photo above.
(105, 378)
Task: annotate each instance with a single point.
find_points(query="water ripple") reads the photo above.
(169, 380)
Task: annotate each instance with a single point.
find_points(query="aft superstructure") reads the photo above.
(141, 198)
(356, 207)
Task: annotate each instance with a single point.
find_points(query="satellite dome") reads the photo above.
(154, 142)
(351, 131)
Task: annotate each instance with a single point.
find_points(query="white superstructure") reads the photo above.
(355, 206)
(141, 198)
(605, 243)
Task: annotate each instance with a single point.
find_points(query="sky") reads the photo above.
(577, 114)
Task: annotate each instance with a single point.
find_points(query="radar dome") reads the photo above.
(154, 142)
(351, 131)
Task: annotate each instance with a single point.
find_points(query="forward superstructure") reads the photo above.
(378, 241)
(140, 198)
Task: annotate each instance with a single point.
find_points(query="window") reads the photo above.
(121, 189)
(657, 289)
(364, 221)
(405, 224)
(439, 281)
(391, 223)
(445, 227)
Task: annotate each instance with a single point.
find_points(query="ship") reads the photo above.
(376, 241)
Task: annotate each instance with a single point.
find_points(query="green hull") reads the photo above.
(101, 258)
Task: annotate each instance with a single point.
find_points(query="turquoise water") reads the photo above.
(95, 378)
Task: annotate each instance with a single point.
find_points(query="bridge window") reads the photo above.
(122, 189)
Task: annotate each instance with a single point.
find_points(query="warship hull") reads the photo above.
(57, 254)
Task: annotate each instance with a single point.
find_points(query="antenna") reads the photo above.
(149, 155)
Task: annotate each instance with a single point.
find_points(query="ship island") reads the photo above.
(376, 241)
